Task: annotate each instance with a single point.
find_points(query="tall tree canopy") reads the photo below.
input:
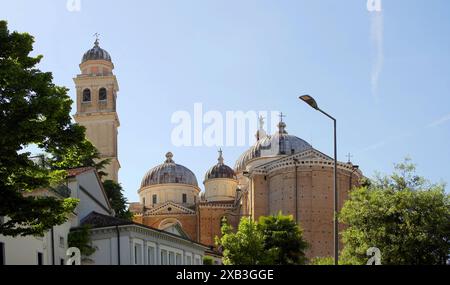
(403, 215)
(245, 247)
(274, 240)
(33, 112)
(82, 154)
(118, 201)
(283, 238)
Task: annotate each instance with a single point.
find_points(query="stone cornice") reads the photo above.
(154, 211)
(150, 187)
(310, 157)
(147, 232)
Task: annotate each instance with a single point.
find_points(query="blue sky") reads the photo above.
(261, 55)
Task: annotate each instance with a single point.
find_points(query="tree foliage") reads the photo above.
(283, 239)
(81, 239)
(83, 154)
(275, 240)
(245, 247)
(403, 215)
(322, 261)
(118, 201)
(33, 112)
(208, 260)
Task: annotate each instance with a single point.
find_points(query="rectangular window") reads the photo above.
(61, 242)
(40, 258)
(138, 260)
(151, 256)
(197, 261)
(178, 259)
(163, 257)
(184, 198)
(188, 260)
(155, 199)
(2, 253)
(171, 258)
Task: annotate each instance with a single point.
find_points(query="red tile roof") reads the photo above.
(77, 171)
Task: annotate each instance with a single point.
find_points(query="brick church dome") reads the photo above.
(169, 172)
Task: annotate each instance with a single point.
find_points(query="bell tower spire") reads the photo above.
(97, 88)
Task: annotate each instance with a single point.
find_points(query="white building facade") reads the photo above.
(119, 242)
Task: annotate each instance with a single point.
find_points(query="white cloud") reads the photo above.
(439, 121)
(378, 57)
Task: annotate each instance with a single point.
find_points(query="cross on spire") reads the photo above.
(97, 37)
(282, 116)
(349, 156)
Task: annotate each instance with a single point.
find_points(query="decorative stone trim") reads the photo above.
(219, 206)
(310, 157)
(148, 233)
(154, 211)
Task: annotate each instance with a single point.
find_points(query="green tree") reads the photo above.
(274, 240)
(208, 260)
(83, 154)
(403, 215)
(118, 201)
(33, 112)
(245, 247)
(81, 239)
(283, 238)
(322, 261)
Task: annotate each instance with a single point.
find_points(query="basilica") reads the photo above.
(280, 172)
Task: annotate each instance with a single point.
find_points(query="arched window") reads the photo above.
(102, 94)
(86, 95)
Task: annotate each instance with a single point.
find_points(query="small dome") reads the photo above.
(96, 53)
(281, 143)
(169, 172)
(220, 170)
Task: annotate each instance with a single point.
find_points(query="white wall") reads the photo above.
(90, 183)
(24, 250)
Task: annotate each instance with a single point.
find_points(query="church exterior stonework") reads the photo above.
(279, 173)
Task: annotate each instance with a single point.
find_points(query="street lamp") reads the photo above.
(311, 102)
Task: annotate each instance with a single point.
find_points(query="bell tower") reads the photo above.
(97, 89)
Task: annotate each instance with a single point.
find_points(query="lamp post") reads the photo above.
(311, 102)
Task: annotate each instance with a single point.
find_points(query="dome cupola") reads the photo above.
(96, 53)
(169, 173)
(220, 170)
(220, 183)
(278, 144)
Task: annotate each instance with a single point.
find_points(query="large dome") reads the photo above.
(96, 53)
(281, 143)
(169, 172)
(220, 170)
